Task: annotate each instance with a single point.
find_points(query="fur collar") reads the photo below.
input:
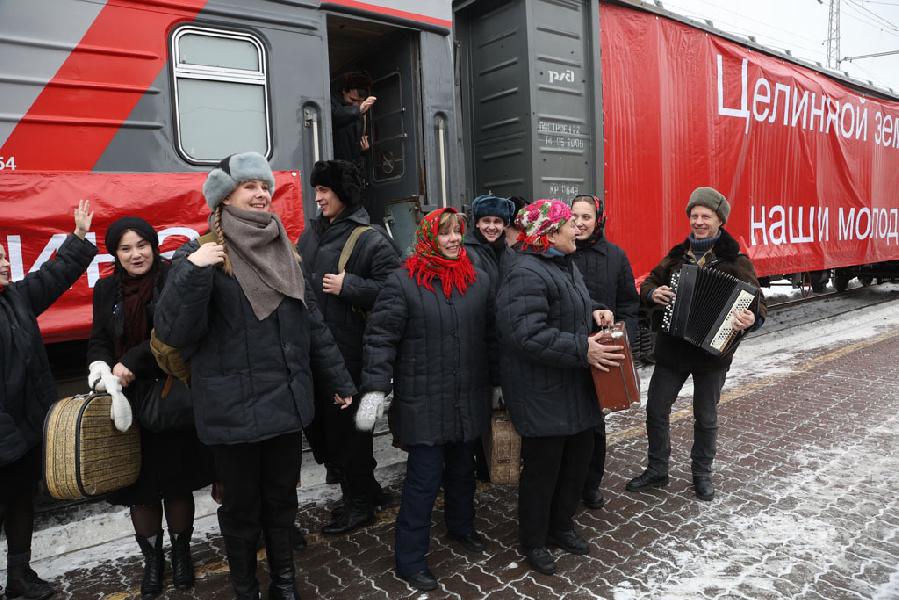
(726, 248)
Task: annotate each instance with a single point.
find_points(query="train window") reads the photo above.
(388, 128)
(221, 100)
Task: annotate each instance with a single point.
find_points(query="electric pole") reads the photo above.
(833, 35)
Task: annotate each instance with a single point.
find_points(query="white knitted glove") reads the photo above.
(496, 400)
(95, 372)
(121, 408)
(371, 407)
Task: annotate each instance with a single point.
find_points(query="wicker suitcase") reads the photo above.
(502, 448)
(84, 454)
(618, 388)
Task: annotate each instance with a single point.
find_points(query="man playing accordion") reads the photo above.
(711, 247)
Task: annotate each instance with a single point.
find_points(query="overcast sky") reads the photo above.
(866, 26)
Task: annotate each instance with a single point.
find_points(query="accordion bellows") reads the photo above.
(704, 305)
(84, 454)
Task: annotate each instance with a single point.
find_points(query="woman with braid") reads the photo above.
(243, 312)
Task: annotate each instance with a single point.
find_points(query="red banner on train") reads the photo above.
(810, 166)
(37, 216)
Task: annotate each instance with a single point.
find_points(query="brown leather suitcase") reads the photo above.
(618, 388)
(84, 454)
(502, 449)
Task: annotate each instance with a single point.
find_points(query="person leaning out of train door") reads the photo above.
(243, 308)
(610, 281)
(708, 245)
(431, 332)
(27, 390)
(544, 320)
(345, 294)
(173, 463)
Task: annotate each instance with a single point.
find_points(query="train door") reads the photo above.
(388, 57)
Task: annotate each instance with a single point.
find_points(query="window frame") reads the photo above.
(220, 74)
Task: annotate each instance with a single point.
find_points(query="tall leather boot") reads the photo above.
(23, 582)
(182, 561)
(279, 548)
(154, 565)
(242, 563)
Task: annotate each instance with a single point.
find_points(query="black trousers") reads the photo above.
(260, 485)
(552, 479)
(426, 469)
(664, 387)
(351, 451)
(598, 462)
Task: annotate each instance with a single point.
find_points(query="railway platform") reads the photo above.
(806, 505)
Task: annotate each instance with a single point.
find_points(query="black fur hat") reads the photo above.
(342, 177)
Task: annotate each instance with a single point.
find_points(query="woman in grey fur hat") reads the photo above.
(232, 305)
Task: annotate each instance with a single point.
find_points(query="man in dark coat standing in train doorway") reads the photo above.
(349, 106)
(709, 245)
(347, 262)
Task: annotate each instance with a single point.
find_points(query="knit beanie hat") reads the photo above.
(492, 206)
(538, 219)
(342, 176)
(117, 230)
(711, 199)
(224, 179)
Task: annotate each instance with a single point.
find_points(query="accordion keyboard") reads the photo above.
(726, 332)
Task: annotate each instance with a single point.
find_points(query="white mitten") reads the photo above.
(371, 406)
(121, 408)
(496, 400)
(95, 372)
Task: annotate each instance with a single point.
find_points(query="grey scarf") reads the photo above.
(262, 258)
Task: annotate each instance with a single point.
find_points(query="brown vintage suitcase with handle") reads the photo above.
(618, 388)
(84, 454)
(502, 448)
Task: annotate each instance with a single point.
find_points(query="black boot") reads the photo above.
(703, 487)
(242, 563)
(646, 479)
(355, 514)
(593, 498)
(154, 565)
(279, 549)
(182, 562)
(23, 582)
(299, 539)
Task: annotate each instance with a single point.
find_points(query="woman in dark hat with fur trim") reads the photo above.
(173, 464)
(430, 339)
(243, 311)
(486, 242)
(344, 298)
(27, 390)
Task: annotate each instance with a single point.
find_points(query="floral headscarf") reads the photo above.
(427, 262)
(537, 220)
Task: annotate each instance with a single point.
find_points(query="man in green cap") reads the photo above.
(709, 245)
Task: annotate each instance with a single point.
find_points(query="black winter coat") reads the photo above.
(372, 260)
(484, 257)
(251, 380)
(107, 328)
(679, 354)
(544, 314)
(346, 124)
(439, 352)
(27, 388)
(610, 281)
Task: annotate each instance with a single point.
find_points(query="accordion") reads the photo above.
(704, 305)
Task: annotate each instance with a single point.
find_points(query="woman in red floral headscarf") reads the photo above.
(431, 332)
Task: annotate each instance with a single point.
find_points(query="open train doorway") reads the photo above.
(370, 58)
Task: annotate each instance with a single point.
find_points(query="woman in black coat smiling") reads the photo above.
(429, 333)
(173, 464)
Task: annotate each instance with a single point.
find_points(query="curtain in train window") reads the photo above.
(221, 100)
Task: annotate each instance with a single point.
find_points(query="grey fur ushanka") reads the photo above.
(441, 355)
(251, 380)
(543, 315)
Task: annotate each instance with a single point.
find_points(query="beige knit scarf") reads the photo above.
(262, 259)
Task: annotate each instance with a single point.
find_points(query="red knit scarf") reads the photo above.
(427, 262)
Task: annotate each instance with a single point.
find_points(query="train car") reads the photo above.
(629, 101)
(129, 102)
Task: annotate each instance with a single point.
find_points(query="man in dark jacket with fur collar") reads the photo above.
(710, 246)
(345, 293)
